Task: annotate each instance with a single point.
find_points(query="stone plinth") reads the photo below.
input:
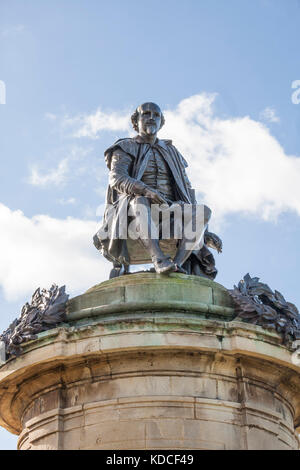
(152, 362)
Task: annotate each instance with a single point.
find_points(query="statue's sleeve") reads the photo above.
(119, 178)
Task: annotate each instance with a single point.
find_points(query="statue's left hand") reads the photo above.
(213, 241)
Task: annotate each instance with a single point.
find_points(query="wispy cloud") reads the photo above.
(59, 175)
(55, 176)
(48, 250)
(50, 116)
(92, 125)
(12, 30)
(269, 115)
(65, 202)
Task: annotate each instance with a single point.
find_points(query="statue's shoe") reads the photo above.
(179, 269)
(116, 272)
(163, 265)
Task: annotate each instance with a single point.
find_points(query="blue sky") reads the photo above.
(222, 71)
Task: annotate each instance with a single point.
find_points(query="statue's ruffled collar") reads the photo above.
(159, 142)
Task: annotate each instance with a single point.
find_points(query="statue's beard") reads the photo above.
(151, 129)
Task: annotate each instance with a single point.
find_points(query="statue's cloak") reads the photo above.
(115, 249)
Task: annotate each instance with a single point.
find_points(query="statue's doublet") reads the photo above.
(158, 176)
(130, 162)
(140, 161)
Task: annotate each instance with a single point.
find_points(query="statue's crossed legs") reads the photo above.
(151, 222)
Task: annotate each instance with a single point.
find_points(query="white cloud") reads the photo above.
(13, 30)
(235, 163)
(50, 116)
(41, 250)
(58, 176)
(269, 115)
(55, 176)
(65, 202)
(91, 125)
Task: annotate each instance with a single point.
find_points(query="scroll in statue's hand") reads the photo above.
(155, 196)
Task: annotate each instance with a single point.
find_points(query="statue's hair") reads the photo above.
(135, 115)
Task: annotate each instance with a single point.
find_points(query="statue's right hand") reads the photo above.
(155, 196)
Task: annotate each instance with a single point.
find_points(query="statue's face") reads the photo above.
(149, 119)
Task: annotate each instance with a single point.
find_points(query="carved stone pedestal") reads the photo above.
(152, 362)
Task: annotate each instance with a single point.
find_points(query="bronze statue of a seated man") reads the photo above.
(146, 171)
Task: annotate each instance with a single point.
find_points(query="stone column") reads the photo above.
(151, 361)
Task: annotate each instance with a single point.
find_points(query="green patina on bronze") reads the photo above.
(150, 293)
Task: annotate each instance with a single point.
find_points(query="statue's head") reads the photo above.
(147, 119)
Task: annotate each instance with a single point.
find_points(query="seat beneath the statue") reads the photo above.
(138, 254)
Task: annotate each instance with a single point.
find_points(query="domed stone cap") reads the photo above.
(153, 292)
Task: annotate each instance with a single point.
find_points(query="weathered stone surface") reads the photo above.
(142, 379)
(153, 292)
